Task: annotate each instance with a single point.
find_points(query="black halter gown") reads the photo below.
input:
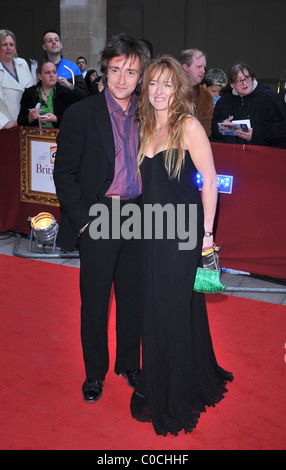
(180, 375)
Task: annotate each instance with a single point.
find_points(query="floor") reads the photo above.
(240, 285)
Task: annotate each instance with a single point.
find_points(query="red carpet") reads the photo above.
(42, 373)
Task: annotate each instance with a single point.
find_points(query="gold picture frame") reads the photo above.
(37, 153)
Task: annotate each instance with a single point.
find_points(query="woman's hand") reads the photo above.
(228, 120)
(48, 117)
(10, 125)
(245, 135)
(33, 114)
(207, 243)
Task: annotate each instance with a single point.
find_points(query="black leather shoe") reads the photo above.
(92, 390)
(131, 376)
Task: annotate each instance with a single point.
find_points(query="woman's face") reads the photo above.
(161, 89)
(48, 75)
(93, 76)
(7, 49)
(243, 83)
(214, 90)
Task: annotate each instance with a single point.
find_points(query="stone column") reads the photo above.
(83, 29)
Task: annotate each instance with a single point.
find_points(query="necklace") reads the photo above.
(157, 129)
(45, 94)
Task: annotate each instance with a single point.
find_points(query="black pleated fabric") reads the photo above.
(180, 375)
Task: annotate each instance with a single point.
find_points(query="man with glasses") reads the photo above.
(245, 99)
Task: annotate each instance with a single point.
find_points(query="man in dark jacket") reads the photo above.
(96, 164)
(275, 125)
(246, 99)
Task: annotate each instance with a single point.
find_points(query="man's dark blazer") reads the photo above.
(84, 164)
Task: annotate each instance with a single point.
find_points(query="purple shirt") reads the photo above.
(126, 183)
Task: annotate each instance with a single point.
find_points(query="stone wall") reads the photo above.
(83, 29)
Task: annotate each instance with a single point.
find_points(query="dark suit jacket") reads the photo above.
(275, 123)
(84, 164)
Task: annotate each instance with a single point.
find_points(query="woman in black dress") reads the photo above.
(180, 375)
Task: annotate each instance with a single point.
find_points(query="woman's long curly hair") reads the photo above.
(181, 107)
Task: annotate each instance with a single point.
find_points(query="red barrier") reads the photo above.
(13, 212)
(250, 224)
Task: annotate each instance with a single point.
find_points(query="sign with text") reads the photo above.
(38, 153)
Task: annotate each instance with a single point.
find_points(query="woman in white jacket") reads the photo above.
(15, 76)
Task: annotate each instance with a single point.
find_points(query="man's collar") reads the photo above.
(114, 106)
(57, 63)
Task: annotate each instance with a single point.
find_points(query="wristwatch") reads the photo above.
(208, 234)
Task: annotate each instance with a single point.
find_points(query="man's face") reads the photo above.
(52, 43)
(122, 77)
(82, 65)
(196, 70)
(243, 83)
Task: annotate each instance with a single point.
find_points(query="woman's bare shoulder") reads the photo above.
(191, 125)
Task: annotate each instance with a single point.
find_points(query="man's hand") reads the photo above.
(64, 82)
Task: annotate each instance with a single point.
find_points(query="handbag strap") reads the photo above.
(214, 260)
(208, 252)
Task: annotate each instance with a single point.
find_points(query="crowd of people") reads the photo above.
(136, 142)
(218, 97)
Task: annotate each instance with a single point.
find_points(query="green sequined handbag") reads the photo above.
(207, 279)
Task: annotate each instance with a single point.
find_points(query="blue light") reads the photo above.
(224, 183)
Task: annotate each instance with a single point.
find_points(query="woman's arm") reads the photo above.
(26, 117)
(198, 145)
